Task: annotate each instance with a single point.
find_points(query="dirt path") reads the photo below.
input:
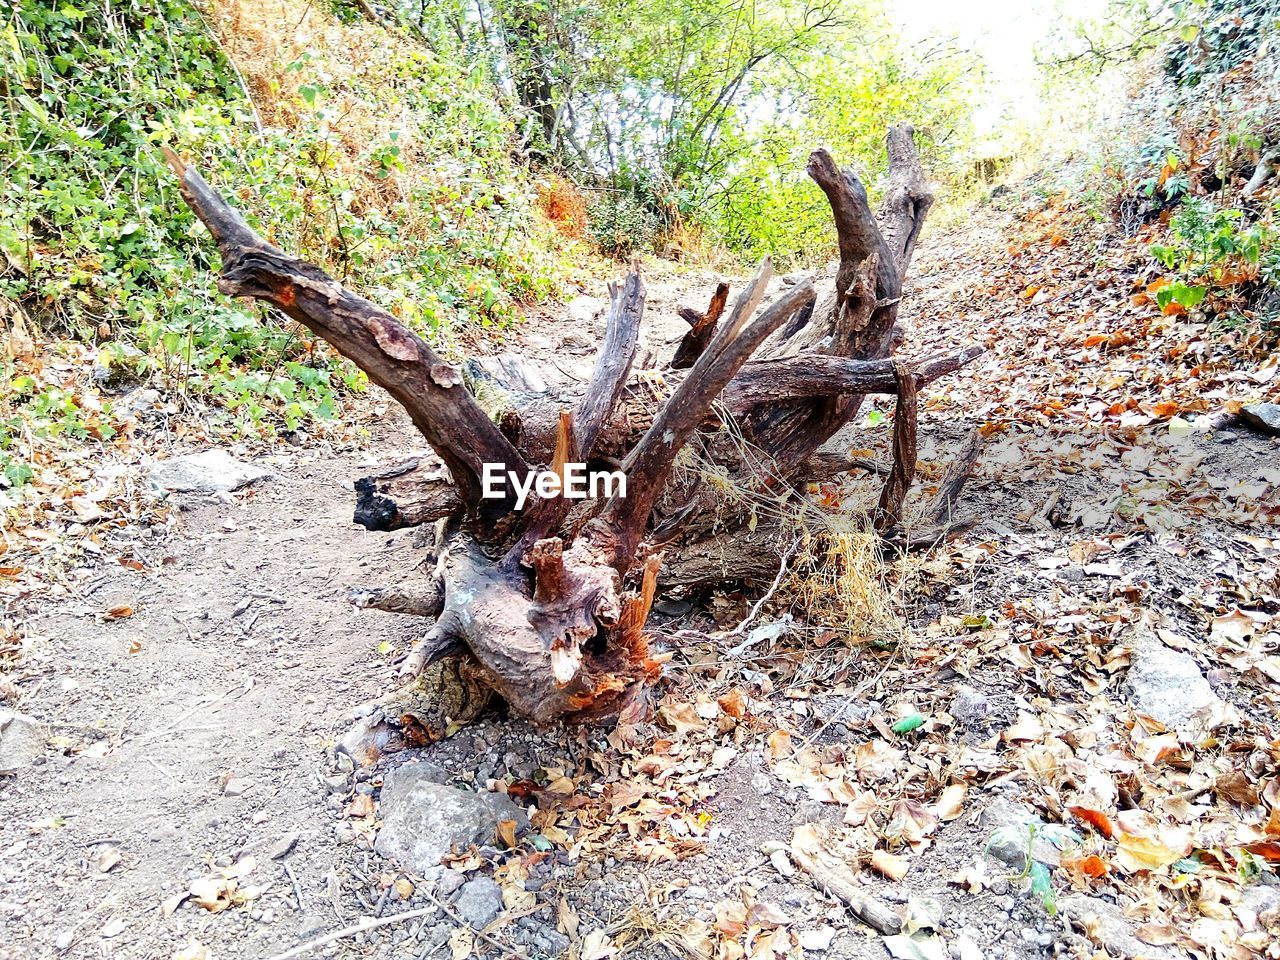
(194, 738)
(241, 659)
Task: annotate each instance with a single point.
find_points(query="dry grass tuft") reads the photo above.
(841, 582)
(563, 204)
(642, 928)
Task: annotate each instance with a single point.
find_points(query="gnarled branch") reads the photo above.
(393, 356)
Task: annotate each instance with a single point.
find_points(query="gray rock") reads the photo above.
(136, 402)
(1262, 416)
(479, 901)
(282, 847)
(423, 820)
(450, 880)
(586, 311)
(210, 471)
(1167, 684)
(672, 608)
(969, 707)
(310, 926)
(1107, 925)
(124, 371)
(553, 942)
(21, 741)
(1008, 827)
(1261, 898)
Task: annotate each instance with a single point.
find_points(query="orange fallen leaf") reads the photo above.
(507, 833)
(779, 744)
(733, 704)
(1091, 866)
(1096, 819)
(1269, 850)
(120, 611)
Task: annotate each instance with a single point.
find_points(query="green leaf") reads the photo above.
(1042, 886)
(908, 723)
(1187, 295)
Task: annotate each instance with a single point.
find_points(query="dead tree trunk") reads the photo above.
(551, 601)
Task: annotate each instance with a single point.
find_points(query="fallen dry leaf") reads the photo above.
(893, 867)
(1135, 853)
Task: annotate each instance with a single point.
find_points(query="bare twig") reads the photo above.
(768, 594)
(365, 923)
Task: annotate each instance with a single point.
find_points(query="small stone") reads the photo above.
(21, 741)
(423, 820)
(1166, 684)
(672, 608)
(969, 706)
(237, 787)
(310, 927)
(479, 901)
(283, 846)
(782, 863)
(1106, 925)
(1009, 829)
(122, 371)
(818, 940)
(211, 471)
(450, 881)
(584, 311)
(1262, 416)
(1262, 899)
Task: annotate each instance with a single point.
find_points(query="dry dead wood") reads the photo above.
(549, 602)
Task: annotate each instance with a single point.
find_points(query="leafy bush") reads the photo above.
(1211, 249)
(385, 164)
(622, 224)
(1215, 36)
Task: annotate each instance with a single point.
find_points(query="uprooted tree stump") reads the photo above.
(547, 604)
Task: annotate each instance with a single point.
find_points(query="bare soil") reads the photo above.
(243, 661)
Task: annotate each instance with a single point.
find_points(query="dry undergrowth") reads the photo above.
(840, 582)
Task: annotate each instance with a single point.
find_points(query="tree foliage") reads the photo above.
(703, 112)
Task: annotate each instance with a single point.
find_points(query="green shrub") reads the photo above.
(621, 224)
(426, 213)
(1212, 249)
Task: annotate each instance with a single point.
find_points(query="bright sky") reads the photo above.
(1004, 33)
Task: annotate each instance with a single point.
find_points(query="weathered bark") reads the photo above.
(702, 327)
(406, 495)
(548, 604)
